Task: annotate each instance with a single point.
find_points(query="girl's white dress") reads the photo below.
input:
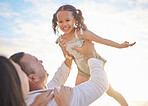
(79, 59)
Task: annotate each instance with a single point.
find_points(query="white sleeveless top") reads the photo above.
(80, 60)
(75, 42)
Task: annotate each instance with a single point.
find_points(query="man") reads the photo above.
(83, 94)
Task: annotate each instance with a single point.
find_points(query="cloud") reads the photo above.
(5, 11)
(132, 3)
(142, 1)
(33, 35)
(128, 2)
(43, 8)
(110, 20)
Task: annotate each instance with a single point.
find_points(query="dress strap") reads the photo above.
(76, 35)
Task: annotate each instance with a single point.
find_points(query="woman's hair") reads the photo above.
(76, 13)
(10, 85)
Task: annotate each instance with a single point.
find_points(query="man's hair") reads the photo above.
(24, 66)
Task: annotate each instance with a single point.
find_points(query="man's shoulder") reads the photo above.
(32, 95)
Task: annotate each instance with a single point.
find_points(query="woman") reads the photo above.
(10, 85)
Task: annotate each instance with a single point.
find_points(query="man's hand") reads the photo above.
(43, 99)
(87, 49)
(64, 97)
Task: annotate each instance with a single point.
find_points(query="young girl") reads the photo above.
(71, 23)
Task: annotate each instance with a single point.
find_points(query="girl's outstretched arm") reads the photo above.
(93, 37)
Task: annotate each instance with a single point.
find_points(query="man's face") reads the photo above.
(36, 66)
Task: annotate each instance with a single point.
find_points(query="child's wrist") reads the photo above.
(69, 57)
(68, 63)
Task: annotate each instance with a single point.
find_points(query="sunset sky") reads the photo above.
(25, 25)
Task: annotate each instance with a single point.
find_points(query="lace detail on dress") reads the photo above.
(75, 42)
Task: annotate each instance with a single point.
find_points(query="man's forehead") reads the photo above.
(27, 57)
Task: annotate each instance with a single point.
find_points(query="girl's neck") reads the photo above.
(70, 33)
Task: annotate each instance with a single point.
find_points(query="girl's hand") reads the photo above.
(64, 97)
(43, 99)
(127, 44)
(65, 52)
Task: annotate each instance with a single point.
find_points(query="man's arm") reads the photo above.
(86, 93)
(61, 75)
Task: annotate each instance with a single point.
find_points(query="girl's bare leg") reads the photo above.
(80, 79)
(117, 96)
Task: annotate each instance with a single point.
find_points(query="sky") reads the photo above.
(26, 25)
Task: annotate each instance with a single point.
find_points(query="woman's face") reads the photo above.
(23, 78)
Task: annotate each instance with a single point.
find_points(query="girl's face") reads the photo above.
(66, 21)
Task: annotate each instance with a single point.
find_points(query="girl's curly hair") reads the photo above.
(76, 13)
